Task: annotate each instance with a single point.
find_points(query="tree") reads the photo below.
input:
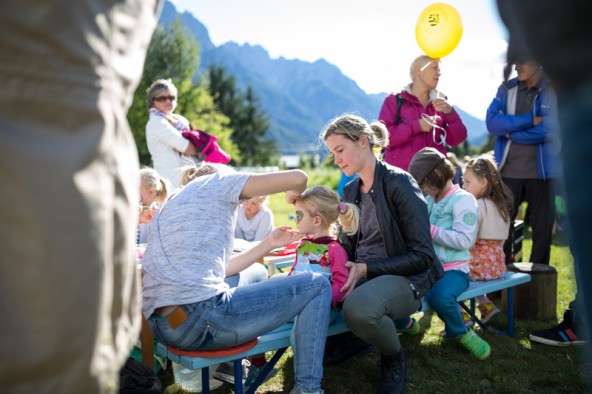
(174, 54)
(249, 123)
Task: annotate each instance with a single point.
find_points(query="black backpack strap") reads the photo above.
(400, 101)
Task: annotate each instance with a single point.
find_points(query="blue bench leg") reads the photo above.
(205, 380)
(510, 309)
(265, 371)
(238, 376)
(471, 311)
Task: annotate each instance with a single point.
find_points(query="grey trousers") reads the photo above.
(371, 309)
(69, 288)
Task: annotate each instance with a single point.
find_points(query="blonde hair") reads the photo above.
(325, 203)
(419, 62)
(484, 167)
(262, 199)
(189, 173)
(353, 127)
(153, 181)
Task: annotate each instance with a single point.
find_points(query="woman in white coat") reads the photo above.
(169, 150)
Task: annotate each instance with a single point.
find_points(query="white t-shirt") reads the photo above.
(255, 229)
(491, 223)
(190, 242)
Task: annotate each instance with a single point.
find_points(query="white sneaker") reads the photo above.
(225, 371)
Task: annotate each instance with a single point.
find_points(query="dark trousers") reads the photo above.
(540, 196)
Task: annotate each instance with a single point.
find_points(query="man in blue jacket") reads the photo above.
(523, 118)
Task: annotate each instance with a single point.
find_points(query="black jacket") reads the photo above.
(404, 224)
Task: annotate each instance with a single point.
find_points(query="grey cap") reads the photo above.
(424, 162)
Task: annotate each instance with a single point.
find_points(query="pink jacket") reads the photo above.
(406, 137)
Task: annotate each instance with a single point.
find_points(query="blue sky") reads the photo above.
(372, 42)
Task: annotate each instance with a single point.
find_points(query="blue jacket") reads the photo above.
(501, 122)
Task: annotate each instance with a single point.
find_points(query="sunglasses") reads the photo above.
(164, 98)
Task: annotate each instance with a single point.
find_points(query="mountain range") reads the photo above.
(298, 97)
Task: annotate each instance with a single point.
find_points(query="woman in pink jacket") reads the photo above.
(410, 116)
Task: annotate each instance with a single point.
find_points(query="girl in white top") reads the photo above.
(488, 261)
(169, 150)
(255, 220)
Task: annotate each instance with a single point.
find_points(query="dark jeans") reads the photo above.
(540, 196)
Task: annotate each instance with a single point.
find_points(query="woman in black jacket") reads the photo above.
(392, 263)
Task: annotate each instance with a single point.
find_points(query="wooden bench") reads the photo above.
(278, 340)
(477, 288)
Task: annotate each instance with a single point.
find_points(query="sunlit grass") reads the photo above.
(439, 365)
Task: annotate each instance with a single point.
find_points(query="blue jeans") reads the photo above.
(252, 274)
(245, 312)
(442, 298)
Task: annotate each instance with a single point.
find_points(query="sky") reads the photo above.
(372, 42)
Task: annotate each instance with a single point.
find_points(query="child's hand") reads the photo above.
(283, 236)
(146, 215)
(147, 212)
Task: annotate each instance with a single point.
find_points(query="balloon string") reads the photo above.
(426, 65)
(428, 119)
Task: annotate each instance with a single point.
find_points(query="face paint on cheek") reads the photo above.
(299, 216)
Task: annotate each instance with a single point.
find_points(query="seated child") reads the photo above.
(153, 192)
(453, 217)
(255, 220)
(488, 260)
(317, 211)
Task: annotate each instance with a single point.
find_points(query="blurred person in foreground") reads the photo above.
(564, 49)
(68, 282)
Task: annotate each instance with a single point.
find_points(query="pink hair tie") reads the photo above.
(342, 207)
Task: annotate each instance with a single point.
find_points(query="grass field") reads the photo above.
(437, 365)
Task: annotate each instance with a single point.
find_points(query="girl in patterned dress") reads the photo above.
(482, 180)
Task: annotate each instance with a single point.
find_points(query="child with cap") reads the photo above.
(453, 216)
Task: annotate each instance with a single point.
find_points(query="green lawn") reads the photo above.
(437, 365)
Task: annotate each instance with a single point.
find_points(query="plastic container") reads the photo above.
(303, 263)
(190, 379)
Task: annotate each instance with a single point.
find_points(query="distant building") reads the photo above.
(290, 161)
(293, 161)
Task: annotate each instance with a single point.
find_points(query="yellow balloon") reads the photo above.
(438, 30)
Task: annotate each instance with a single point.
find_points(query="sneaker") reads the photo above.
(225, 371)
(562, 334)
(489, 312)
(393, 372)
(467, 319)
(254, 372)
(412, 329)
(477, 346)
